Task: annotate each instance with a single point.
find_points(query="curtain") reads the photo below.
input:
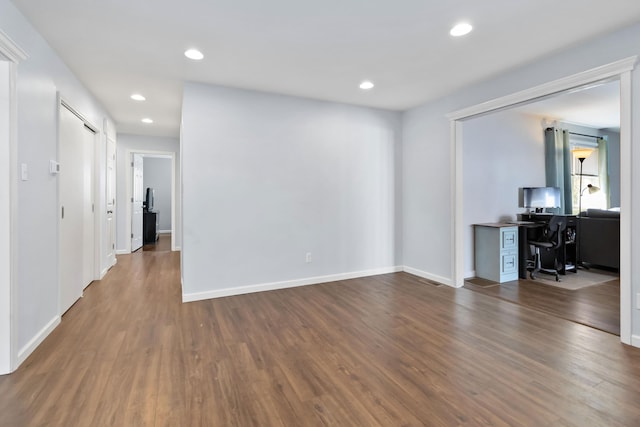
(603, 169)
(557, 155)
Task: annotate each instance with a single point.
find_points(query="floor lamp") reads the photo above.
(580, 154)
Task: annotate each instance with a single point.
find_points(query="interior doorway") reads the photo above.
(587, 292)
(151, 179)
(620, 70)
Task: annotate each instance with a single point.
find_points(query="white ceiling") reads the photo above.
(596, 107)
(320, 49)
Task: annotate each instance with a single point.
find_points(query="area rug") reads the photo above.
(581, 279)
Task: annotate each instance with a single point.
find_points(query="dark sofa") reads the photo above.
(599, 238)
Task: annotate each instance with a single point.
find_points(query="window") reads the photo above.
(590, 176)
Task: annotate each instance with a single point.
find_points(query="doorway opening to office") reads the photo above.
(618, 73)
(509, 152)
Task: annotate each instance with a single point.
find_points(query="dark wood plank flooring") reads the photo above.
(596, 306)
(389, 350)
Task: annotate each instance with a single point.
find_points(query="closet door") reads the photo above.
(71, 196)
(88, 206)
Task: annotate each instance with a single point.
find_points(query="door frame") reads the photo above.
(13, 54)
(109, 137)
(97, 208)
(129, 187)
(619, 70)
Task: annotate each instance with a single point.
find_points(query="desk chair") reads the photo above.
(546, 248)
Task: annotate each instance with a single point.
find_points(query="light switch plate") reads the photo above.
(54, 167)
(24, 172)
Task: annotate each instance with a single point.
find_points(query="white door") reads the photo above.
(88, 207)
(71, 193)
(110, 240)
(136, 202)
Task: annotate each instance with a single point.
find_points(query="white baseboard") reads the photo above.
(176, 249)
(219, 293)
(36, 340)
(428, 276)
(635, 340)
(122, 252)
(470, 274)
(106, 269)
(164, 231)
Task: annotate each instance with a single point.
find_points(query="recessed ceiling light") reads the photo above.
(194, 54)
(366, 85)
(138, 97)
(147, 120)
(461, 29)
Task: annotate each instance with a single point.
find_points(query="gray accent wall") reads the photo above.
(269, 178)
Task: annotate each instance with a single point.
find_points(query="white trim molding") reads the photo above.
(37, 340)
(626, 290)
(635, 340)
(109, 267)
(10, 49)
(13, 54)
(428, 276)
(619, 70)
(604, 72)
(262, 287)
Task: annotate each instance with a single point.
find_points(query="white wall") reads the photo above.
(142, 144)
(268, 178)
(427, 157)
(501, 153)
(157, 175)
(39, 79)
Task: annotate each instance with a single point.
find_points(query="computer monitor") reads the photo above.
(540, 197)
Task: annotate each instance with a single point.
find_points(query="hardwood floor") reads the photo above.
(389, 350)
(162, 244)
(596, 306)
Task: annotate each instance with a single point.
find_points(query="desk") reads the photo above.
(530, 227)
(150, 227)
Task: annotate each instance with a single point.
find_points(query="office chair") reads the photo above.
(546, 248)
